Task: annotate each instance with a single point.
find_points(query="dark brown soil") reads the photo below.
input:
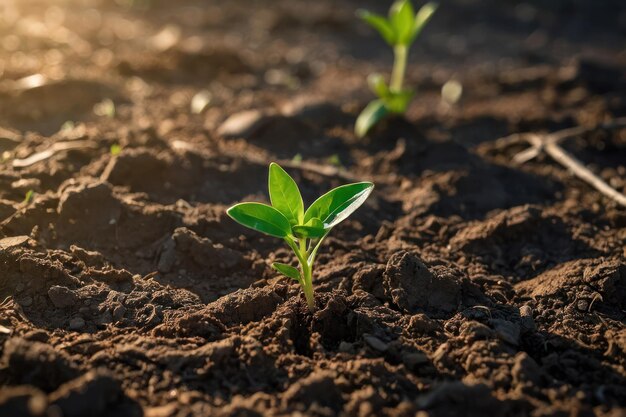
(465, 286)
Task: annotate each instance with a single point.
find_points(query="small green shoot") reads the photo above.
(116, 148)
(297, 158)
(28, 197)
(334, 160)
(302, 230)
(399, 30)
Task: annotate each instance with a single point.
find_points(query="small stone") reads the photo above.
(345, 347)
(527, 321)
(105, 318)
(506, 331)
(77, 323)
(26, 301)
(201, 101)
(526, 370)
(413, 360)
(375, 343)
(167, 257)
(12, 242)
(242, 124)
(62, 297)
(582, 305)
(118, 312)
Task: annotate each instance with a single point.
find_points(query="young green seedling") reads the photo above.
(302, 230)
(399, 30)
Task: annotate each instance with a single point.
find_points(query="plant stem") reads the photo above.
(307, 286)
(306, 269)
(400, 53)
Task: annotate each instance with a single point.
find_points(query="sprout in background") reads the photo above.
(399, 30)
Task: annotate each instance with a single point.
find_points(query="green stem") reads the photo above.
(399, 67)
(307, 286)
(306, 270)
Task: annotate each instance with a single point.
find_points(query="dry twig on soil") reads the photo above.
(549, 143)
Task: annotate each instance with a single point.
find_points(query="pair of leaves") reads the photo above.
(388, 102)
(403, 25)
(395, 101)
(286, 216)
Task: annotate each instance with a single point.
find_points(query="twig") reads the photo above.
(549, 144)
(561, 156)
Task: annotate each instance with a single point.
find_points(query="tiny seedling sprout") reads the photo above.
(302, 230)
(399, 30)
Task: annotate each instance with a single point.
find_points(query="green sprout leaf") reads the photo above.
(287, 270)
(398, 102)
(370, 116)
(402, 18)
(314, 228)
(380, 23)
(303, 232)
(337, 204)
(115, 149)
(285, 195)
(378, 85)
(262, 218)
(28, 197)
(423, 16)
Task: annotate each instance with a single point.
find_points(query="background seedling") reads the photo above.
(399, 30)
(115, 149)
(302, 230)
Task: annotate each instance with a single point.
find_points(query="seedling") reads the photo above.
(28, 197)
(302, 230)
(399, 30)
(115, 149)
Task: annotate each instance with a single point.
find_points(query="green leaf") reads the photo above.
(423, 16)
(287, 270)
(313, 228)
(397, 102)
(380, 23)
(402, 18)
(285, 195)
(337, 204)
(372, 114)
(378, 85)
(260, 217)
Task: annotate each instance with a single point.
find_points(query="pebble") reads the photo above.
(62, 297)
(413, 360)
(26, 301)
(242, 124)
(375, 343)
(77, 323)
(345, 347)
(507, 331)
(118, 312)
(526, 319)
(12, 242)
(200, 101)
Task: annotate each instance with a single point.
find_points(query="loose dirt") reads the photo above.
(465, 286)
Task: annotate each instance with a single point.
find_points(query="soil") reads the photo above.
(465, 286)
